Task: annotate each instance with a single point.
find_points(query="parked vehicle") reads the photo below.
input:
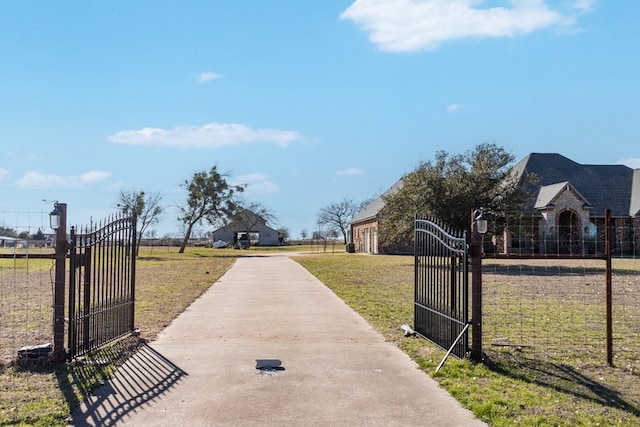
(220, 244)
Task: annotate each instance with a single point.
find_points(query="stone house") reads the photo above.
(570, 200)
(568, 206)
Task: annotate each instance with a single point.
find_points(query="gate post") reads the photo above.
(478, 228)
(608, 285)
(59, 285)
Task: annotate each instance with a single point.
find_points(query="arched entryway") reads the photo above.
(569, 233)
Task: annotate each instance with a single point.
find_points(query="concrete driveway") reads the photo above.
(270, 345)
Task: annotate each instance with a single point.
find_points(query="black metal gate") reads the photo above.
(101, 284)
(441, 286)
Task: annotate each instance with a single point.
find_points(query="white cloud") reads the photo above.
(256, 183)
(3, 173)
(350, 172)
(412, 25)
(452, 108)
(583, 6)
(631, 162)
(94, 176)
(209, 75)
(34, 179)
(209, 135)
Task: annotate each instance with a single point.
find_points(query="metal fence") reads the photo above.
(26, 284)
(441, 285)
(98, 294)
(102, 284)
(549, 298)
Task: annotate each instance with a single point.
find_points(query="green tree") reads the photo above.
(448, 188)
(209, 197)
(38, 235)
(8, 232)
(336, 216)
(146, 207)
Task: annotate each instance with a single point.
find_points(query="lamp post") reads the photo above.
(58, 222)
(479, 224)
(55, 217)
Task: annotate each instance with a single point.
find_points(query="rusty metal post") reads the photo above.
(609, 310)
(475, 253)
(59, 286)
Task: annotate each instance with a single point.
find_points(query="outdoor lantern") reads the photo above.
(481, 222)
(55, 216)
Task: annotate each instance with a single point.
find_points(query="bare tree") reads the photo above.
(284, 234)
(337, 215)
(249, 214)
(209, 197)
(145, 206)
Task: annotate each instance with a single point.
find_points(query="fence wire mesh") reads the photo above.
(26, 282)
(544, 292)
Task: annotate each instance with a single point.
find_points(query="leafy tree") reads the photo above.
(38, 235)
(248, 215)
(448, 188)
(8, 232)
(209, 197)
(337, 215)
(145, 206)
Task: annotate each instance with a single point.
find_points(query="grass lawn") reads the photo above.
(37, 394)
(506, 390)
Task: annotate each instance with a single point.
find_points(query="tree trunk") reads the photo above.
(187, 235)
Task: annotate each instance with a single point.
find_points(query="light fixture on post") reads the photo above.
(55, 217)
(479, 226)
(481, 221)
(58, 222)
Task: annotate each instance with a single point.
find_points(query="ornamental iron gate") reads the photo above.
(441, 286)
(101, 284)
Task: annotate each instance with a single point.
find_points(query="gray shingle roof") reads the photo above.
(615, 187)
(548, 193)
(635, 194)
(371, 210)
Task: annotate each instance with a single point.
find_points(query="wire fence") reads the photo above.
(545, 293)
(26, 282)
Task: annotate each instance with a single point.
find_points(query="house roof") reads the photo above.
(371, 210)
(548, 194)
(615, 187)
(635, 194)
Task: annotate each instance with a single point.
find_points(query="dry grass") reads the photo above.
(37, 393)
(520, 384)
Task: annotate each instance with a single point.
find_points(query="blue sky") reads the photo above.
(306, 102)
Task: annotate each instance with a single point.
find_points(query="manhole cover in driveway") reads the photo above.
(269, 366)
